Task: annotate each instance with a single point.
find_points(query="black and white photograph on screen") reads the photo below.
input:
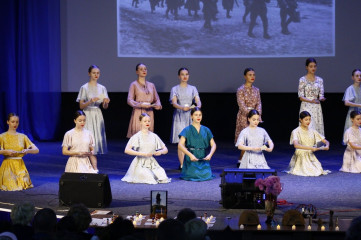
(225, 28)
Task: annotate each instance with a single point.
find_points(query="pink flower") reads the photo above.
(270, 185)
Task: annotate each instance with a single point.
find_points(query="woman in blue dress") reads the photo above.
(253, 140)
(194, 142)
(352, 97)
(181, 97)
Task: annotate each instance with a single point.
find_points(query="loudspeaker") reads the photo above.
(238, 189)
(93, 190)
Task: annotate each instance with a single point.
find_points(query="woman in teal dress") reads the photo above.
(194, 142)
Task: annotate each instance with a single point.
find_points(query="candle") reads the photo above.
(211, 217)
(259, 227)
(140, 216)
(309, 227)
(161, 219)
(241, 227)
(293, 227)
(278, 227)
(134, 223)
(208, 220)
(157, 223)
(337, 228)
(323, 228)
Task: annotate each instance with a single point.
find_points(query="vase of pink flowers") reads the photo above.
(272, 187)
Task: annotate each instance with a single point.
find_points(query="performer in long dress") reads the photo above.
(194, 143)
(143, 98)
(248, 98)
(13, 146)
(311, 94)
(79, 144)
(90, 97)
(306, 141)
(182, 97)
(352, 97)
(352, 137)
(144, 145)
(252, 140)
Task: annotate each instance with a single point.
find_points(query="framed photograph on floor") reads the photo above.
(158, 203)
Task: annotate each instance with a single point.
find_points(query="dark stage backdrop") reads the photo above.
(280, 115)
(30, 82)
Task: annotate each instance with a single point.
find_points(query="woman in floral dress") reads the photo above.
(311, 94)
(248, 98)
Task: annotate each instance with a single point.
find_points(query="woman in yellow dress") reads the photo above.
(13, 145)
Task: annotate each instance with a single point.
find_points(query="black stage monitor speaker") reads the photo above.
(238, 189)
(93, 190)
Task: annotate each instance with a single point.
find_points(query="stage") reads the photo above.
(337, 191)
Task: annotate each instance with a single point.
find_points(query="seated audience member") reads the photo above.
(171, 229)
(21, 216)
(186, 214)
(82, 219)
(196, 229)
(354, 231)
(44, 224)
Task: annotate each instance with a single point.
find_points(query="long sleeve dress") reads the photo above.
(304, 162)
(253, 137)
(145, 169)
(79, 141)
(248, 98)
(352, 157)
(352, 94)
(197, 143)
(137, 95)
(181, 119)
(312, 90)
(94, 117)
(13, 173)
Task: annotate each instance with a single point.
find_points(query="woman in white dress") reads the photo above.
(311, 94)
(352, 137)
(252, 140)
(181, 97)
(306, 141)
(78, 143)
(352, 97)
(90, 97)
(144, 145)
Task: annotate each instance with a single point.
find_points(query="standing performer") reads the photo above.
(306, 141)
(144, 145)
(90, 97)
(248, 98)
(311, 93)
(194, 141)
(79, 144)
(352, 97)
(142, 97)
(182, 96)
(13, 145)
(352, 137)
(252, 140)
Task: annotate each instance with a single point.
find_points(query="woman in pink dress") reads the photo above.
(143, 97)
(248, 98)
(79, 144)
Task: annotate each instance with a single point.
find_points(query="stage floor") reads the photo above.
(337, 191)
